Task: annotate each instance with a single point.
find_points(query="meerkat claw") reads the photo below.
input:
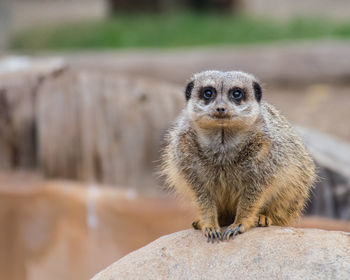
(212, 235)
(231, 232)
(208, 234)
(236, 230)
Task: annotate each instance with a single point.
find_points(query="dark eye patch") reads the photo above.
(257, 91)
(236, 94)
(207, 94)
(188, 90)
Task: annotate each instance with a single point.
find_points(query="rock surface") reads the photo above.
(59, 229)
(262, 253)
(113, 126)
(331, 196)
(20, 80)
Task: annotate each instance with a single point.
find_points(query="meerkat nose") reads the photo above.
(220, 110)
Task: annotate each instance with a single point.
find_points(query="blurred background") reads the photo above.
(88, 89)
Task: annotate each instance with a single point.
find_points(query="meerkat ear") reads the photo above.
(188, 90)
(257, 91)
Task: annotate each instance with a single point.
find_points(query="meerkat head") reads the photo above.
(223, 99)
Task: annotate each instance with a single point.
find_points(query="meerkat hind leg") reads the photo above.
(263, 221)
(197, 225)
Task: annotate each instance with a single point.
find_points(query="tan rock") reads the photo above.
(20, 80)
(103, 127)
(262, 253)
(59, 229)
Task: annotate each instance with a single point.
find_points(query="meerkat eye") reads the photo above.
(208, 93)
(236, 94)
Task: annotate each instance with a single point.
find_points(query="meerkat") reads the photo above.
(236, 157)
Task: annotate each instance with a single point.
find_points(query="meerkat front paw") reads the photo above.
(238, 227)
(212, 233)
(263, 221)
(233, 230)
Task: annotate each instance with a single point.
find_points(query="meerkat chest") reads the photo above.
(209, 162)
(223, 179)
(226, 188)
(217, 162)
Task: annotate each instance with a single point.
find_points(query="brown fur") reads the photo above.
(248, 170)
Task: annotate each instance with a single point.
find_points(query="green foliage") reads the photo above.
(175, 30)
